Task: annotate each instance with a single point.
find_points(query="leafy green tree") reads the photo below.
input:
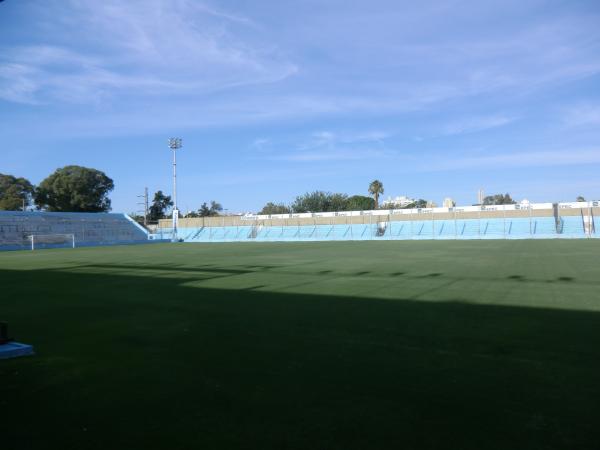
(310, 202)
(272, 208)
(75, 189)
(209, 211)
(160, 204)
(135, 216)
(360, 203)
(215, 208)
(376, 189)
(498, 199)
(337, 202)
(204, 210)
(580, 198)
(320, 201)
(14, 193)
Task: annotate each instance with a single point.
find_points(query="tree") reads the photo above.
(204, 210)
(360, 203)
(498, 199)
(579, 199)
(337, 202)
(135, 216)
(75, 189)
(160, 204)
(14, 193)
(272, 208)
(376, 189)
(215, 208)
(421, 203)
(320, 201)
(209, 211)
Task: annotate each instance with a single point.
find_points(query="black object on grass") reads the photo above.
(4, 339)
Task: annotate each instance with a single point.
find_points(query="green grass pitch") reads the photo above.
(339, 345)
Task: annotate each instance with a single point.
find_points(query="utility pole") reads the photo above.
(146, 206)
(175, 144)
(145, 203)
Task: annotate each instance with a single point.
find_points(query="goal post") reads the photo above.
(39, 241)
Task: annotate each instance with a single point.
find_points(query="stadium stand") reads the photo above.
(88, 229)
(541, 221)
(517, 228)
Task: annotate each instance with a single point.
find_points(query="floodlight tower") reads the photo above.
(174, 144)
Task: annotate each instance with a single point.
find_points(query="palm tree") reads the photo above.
(376, 188)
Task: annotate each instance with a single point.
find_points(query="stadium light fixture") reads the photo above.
(175, 144)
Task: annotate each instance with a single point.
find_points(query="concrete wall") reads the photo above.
(372, 217)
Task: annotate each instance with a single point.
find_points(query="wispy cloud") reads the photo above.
(326, 138)
(264, 177)
(523, 159)
(17, 83)
(583, 115)
(260, 143)
(191, 48)
(475, 124)
(347, 89)
(146, 48)
(332, 155)
(326, 145)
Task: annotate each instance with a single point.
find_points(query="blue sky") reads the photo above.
(276, 98)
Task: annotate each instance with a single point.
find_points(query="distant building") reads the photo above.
(480, 196)
(400, 202)
(524, 202)
(431, 204)
(448, 203)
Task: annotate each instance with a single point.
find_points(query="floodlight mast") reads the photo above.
(174, 144)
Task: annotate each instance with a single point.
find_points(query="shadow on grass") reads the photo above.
(361, 273)
(516, 277)
(566, 279)
(263, 268)
(168, 268)
(140, 362)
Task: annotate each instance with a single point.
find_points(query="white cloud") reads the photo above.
(475, 124)
(260, 143)
(16, 83)
(332, 155)
(326, 145)
(566, 157)
(189, 64)
(135, 47)
(583, 115)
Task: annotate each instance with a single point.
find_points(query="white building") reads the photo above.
(400, 201)
(480, 196)
(448, 203)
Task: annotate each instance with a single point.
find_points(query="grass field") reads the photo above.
(355, 345)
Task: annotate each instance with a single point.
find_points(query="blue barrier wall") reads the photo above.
(510, 228)
(96, 229)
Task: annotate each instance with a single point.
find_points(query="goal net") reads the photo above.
(39, 241)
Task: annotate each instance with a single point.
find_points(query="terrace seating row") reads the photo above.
(89, 229)
(513, 228)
